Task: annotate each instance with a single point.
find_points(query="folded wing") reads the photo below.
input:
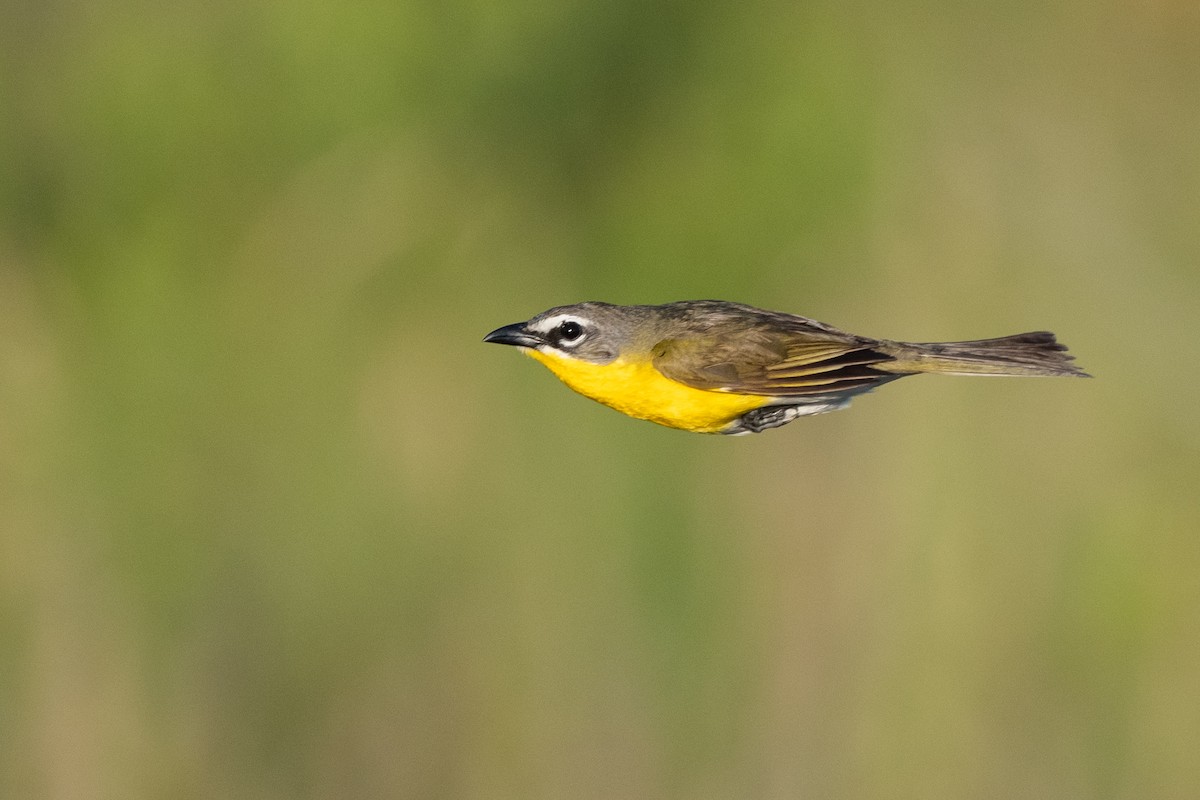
(796, 365)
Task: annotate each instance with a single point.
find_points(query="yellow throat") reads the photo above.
(636, 388)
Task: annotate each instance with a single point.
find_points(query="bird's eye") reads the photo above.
(570, 331)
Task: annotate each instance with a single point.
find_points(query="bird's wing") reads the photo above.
(775, 364)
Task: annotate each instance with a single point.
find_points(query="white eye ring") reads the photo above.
(570, 331)
(563, 331)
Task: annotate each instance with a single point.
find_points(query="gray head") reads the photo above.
(594, 332)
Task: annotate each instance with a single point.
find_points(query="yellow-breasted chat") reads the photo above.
(712, 366)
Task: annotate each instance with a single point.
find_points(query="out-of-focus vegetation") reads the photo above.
(275, 524)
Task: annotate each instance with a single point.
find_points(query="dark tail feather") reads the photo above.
(1037, 353)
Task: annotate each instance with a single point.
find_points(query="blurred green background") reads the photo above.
(275, 524)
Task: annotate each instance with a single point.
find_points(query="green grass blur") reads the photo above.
(275, 524)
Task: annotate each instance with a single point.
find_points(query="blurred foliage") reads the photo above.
(274, 523)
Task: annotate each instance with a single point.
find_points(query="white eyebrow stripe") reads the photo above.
(550, 323)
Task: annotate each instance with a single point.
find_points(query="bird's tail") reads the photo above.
(1037, 353)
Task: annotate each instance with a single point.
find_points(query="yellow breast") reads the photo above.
(638, 389)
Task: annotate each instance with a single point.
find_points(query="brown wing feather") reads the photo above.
(775, 364)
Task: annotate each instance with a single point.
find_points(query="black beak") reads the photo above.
(514, 334)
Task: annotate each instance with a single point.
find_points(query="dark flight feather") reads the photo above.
(775, 367)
